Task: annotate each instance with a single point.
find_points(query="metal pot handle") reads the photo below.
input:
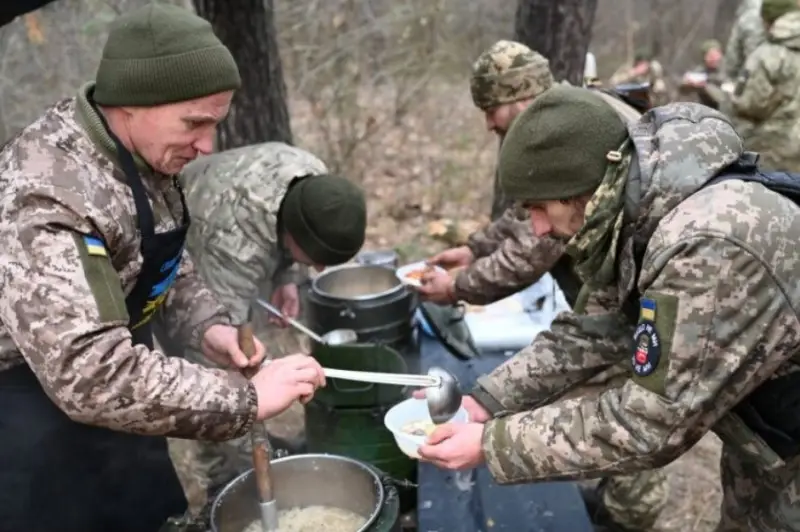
(345, 311)
(403, 483)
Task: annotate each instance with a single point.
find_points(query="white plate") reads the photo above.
(402, 271)
(410, 411)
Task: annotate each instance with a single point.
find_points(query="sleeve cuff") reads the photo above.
(199, 332)
(483, 394)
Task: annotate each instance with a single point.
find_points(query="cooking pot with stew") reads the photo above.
(313, 492)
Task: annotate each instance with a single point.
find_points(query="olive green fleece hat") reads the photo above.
(557, 148)
(160, 54)
(326, 216)
(772, 10)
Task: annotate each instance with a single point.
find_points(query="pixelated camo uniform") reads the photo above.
(766, 100)
(717, 314)
(510, 257)
(60, 314)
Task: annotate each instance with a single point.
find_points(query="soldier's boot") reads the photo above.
(630, 503)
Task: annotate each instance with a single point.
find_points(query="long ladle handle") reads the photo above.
(258, 432)
(294, 323)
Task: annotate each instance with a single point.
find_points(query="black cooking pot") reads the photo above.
(367, 298)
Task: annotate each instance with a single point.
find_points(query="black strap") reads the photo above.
(145, 221)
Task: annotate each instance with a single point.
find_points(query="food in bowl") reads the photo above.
(411, 274)
(314, 519)
(416, 275)
(419, 428)
(410, 423)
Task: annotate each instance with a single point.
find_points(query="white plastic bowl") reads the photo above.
(410, 411)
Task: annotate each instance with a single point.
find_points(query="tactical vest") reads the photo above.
(765, 426)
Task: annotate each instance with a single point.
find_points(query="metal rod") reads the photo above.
(275, 312)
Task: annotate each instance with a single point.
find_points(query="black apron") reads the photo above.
(57, 475)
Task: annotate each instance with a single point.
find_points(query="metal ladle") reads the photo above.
(334, 337)
(444, 400)
(442, 391)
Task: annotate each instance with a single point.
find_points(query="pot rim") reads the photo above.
(369, 297)
(308, 456)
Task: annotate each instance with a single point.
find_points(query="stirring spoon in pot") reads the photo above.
(259, 440)
(335, 337)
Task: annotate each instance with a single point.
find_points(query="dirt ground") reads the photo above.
(428, 176)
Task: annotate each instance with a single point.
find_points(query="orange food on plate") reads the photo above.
(416, 275)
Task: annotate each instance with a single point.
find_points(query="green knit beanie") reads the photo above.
(160, 54)
(327, 218)
(772, 10)
(556, 148)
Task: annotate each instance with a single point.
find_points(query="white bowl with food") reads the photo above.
(411, 274)
(411, 424)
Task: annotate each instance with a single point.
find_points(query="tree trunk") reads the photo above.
(259, 112)
(561, 32)
(723, 21)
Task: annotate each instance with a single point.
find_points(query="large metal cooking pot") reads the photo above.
(367, 298)
(299, 481)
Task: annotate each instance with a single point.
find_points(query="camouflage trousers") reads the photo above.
(635, 501)
(754, 499)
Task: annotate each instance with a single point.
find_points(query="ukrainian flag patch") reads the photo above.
(95, 246)
(647, 309)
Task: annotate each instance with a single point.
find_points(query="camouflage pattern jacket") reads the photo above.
(510, 257)
(747, 33)
(719, 289)
(62, 312)
(767, 96)
(234, 197)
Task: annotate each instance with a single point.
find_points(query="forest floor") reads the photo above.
(428, 176)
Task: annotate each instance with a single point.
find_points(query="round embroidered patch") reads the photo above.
(648, 349)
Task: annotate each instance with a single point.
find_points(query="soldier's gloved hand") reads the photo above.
(453, 258)
(282, 381)
(437, 286)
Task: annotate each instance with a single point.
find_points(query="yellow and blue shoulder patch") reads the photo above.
(647, 309)
(95, 246)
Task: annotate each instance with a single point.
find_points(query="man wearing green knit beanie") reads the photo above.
(686, 249)
(94, 225)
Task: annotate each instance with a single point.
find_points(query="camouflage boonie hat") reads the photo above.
(508, 72)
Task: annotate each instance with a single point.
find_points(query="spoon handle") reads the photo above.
(294, 323)
(397, 379)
